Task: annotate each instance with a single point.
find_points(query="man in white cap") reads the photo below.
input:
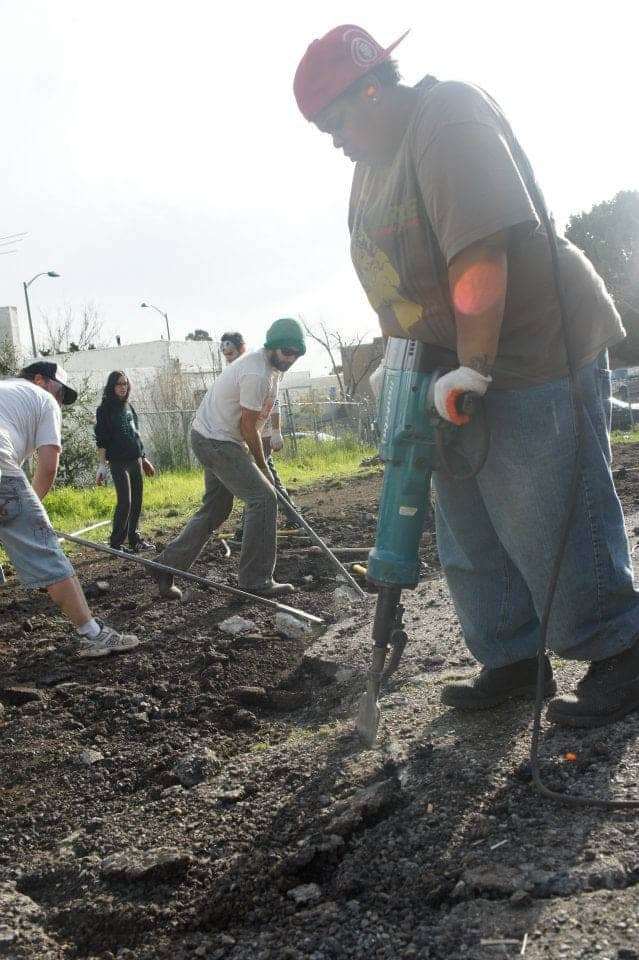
(30, 421)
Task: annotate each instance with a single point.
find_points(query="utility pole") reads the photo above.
(162, 314)
(26, 285)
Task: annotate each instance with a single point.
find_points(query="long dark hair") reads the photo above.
(109, 394)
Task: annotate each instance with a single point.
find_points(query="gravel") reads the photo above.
(207, 796)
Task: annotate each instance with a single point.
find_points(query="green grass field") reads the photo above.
(624, 436)
(71, 508)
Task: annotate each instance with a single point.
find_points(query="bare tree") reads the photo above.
(167, 410)
(72, 330)
(357, 358)
(331, 341)
(9, 359)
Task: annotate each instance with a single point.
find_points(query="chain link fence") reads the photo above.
(166, 433)
(625, 402)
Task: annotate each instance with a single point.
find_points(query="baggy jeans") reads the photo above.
(230, 471)
(498, 533)
(128, 482)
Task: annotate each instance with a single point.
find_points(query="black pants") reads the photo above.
(128, 482)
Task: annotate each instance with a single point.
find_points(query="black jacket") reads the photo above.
(117, 430)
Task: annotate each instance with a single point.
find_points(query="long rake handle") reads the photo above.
(320, 543)
(192, 577)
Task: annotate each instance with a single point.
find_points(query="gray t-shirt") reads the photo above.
(458, 177)
(250, 382)
(29, 418)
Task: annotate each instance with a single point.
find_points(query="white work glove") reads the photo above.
(376, 379)
(451, 386)
(101, 474)
(277, 440)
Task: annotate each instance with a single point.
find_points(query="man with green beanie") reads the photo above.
(288, 334)
(226, 440)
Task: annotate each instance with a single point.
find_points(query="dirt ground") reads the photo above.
(206, 796)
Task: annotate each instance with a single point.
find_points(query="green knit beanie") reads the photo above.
(287, 333)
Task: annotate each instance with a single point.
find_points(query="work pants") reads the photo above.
(498, 533)
(230, 471)
(289, 513)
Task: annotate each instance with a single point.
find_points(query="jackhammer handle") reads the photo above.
(466, 403)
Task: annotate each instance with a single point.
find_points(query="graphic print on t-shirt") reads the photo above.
(380, 280)
(397, 259)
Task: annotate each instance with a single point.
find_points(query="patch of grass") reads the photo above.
(621, 437)
(71, 508)
(316, 461)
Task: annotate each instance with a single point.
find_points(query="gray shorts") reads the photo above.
(28, 537)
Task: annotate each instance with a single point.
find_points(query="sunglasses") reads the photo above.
(287, 352)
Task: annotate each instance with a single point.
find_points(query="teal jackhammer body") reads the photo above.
(407, 450)
(410, 434)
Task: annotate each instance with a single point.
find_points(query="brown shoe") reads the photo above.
(166, 587)
(272, 589)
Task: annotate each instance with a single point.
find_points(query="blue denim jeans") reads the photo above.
(28, 537)
(497, 533)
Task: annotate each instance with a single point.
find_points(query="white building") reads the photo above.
(10, 330)
(195, 362)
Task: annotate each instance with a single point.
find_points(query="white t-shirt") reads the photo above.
(250, 382)
(29, 418)
(267, 429)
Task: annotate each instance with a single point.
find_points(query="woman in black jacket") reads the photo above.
(120, 445)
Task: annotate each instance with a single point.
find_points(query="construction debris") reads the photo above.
(291, 627)
(237, 625)
(344, 599)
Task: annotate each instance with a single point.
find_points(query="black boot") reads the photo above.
(609, 691)
(489, 688)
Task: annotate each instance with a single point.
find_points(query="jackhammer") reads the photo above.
(413, 443)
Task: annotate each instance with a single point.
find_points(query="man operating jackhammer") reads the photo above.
(453, 249)
(226, 439)
(30, 422)
(233, 346)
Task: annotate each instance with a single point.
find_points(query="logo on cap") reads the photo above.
(364, 50)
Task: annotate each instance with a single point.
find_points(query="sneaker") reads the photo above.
(608, 692)
(272, 589)
(121, 547)
(166, 587)
(107, 641)
(139, 545)
(490, 687)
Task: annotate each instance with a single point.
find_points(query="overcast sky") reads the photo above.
(153, 150)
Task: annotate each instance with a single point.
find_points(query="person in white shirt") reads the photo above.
(226, 439)
(30, 422)
(233, 346)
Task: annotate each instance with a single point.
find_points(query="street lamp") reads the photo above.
(162, 314)
(45, 273)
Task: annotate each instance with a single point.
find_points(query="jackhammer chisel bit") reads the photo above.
(388, 634)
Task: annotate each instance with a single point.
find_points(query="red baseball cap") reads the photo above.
(333, 63)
